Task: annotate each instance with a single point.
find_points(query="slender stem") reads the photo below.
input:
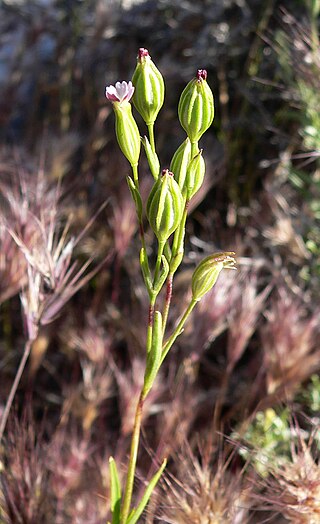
(177, 247)
(158, 262)
(135, 174)
(178, 329)
(151, 136)
(167, 303)
(132, 461)
(14, 387)
(194, 149)
(179, 233)
(134, 168)
(150, 325)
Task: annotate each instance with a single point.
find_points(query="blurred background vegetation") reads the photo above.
(236, 408)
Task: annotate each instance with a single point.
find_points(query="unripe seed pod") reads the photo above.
(165, 206)
(196, 107)
(149, 87)
(180, 162)
(194, 176)
(127, 132)
(207, 272)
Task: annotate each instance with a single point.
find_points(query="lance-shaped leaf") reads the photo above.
(152, 158)
(135, 196)
(146, 271)
(162, 277)
(115, 491)
(154, 355)
(137, 512)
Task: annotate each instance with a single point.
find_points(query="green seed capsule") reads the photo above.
(165, 206)
(149, 88)
(207, 272)
(127, 132)
(196, 107)
(180, 162)
(194, 176)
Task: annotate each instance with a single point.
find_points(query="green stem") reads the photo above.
(194, 149)
(151, 136)
(179, 233)
(167, 303)
(150, 324)
(158, 262)
(135, 174)
(177, 247)
(178, 329)
(132, 461)
(134, 168)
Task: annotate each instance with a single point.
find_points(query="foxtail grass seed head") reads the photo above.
(127, 131)
(149, 87)
(180, 162)
(165, 206)
(207, 272)
(196, 107)
(194, 176)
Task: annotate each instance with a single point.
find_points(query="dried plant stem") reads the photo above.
(132, 460)
(14, 387)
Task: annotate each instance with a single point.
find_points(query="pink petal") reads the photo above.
(111, 94)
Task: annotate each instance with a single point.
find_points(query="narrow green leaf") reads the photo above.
(176, 261)
(162, 277)
(115, 491)
(136, 197)
(167, 251)
(154, 355)
(152, 158)
(144, 264)
(135, 515)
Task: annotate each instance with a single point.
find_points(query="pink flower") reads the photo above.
(121, 92)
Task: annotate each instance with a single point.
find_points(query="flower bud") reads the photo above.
(149, 87)
(165, 206)
(196, 108)
(194, 176)
(180, 161)
(207, 272)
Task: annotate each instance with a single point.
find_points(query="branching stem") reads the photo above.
(178, 330)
